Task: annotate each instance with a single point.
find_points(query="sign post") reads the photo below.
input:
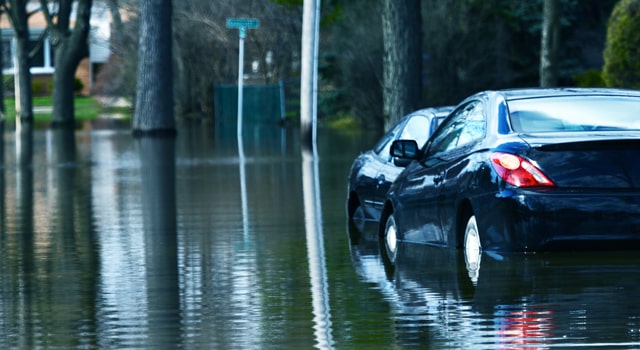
(242, 24)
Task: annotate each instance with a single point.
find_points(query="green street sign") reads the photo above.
(251, 23)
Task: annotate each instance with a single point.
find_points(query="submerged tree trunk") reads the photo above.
(63, 115)
(549, 44)
(70, 47)
(401, 67)
(24, 96)
(154, 112)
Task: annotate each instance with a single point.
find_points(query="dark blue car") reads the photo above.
(522, 170)
(374, 170)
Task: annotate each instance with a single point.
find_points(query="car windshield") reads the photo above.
(575, 113)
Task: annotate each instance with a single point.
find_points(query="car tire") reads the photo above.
(390, 239)
(353, 207)
(472, 249)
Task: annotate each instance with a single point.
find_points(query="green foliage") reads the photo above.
(86, 108)
(590, 78)
(9, 82)
(77, 85)
(343, 122)
(39, 88)
(622, 50)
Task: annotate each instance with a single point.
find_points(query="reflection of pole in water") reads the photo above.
(243, 189)
(244, 268)
(315, 250)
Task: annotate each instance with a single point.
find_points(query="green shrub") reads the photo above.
(38, 88)
(622, 48)
(9, 83)
(77, 85)
(590, 78)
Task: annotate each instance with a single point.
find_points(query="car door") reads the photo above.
(459, 168)
(418, 128)
(368, 174)
(423, 191)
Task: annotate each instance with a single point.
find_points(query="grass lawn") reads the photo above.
(86, 108)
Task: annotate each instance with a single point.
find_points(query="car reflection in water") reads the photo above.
(544, 300)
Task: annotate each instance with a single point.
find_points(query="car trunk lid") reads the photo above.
(607, 161)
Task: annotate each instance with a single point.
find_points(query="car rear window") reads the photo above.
(575, 113)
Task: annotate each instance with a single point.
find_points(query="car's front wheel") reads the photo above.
(472, 249)
(354, 209)
(390, 239)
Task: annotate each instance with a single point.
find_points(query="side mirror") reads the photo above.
(404, 151)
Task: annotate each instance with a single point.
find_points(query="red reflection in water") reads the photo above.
(526, 329)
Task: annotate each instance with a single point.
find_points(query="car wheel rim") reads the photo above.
(391, 239)
(472, 249)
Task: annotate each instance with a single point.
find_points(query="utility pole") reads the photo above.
(309, 73)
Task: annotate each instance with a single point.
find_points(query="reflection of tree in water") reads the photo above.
(157, 158)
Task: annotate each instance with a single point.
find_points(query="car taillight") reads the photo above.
(518, 171)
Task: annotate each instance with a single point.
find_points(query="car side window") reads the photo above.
(466, 125)
(417, 128)
(474, 126)
(383, 146)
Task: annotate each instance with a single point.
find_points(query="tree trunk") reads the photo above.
(549, 43)
(154, 112)
(62, 115)
(17, 14)
(117, 38)
(69, 49)
(183, 78)
(2, 106)
(24, 96)
(402, 71)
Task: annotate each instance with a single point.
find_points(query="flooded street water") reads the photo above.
(191, 243)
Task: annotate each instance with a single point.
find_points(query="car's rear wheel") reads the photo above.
(472, 249)
(390, 239)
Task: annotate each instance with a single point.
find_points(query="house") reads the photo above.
(43, 64)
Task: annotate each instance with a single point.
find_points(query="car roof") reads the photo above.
(522, 93)
(439, 110)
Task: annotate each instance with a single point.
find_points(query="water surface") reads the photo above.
(113, 242)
